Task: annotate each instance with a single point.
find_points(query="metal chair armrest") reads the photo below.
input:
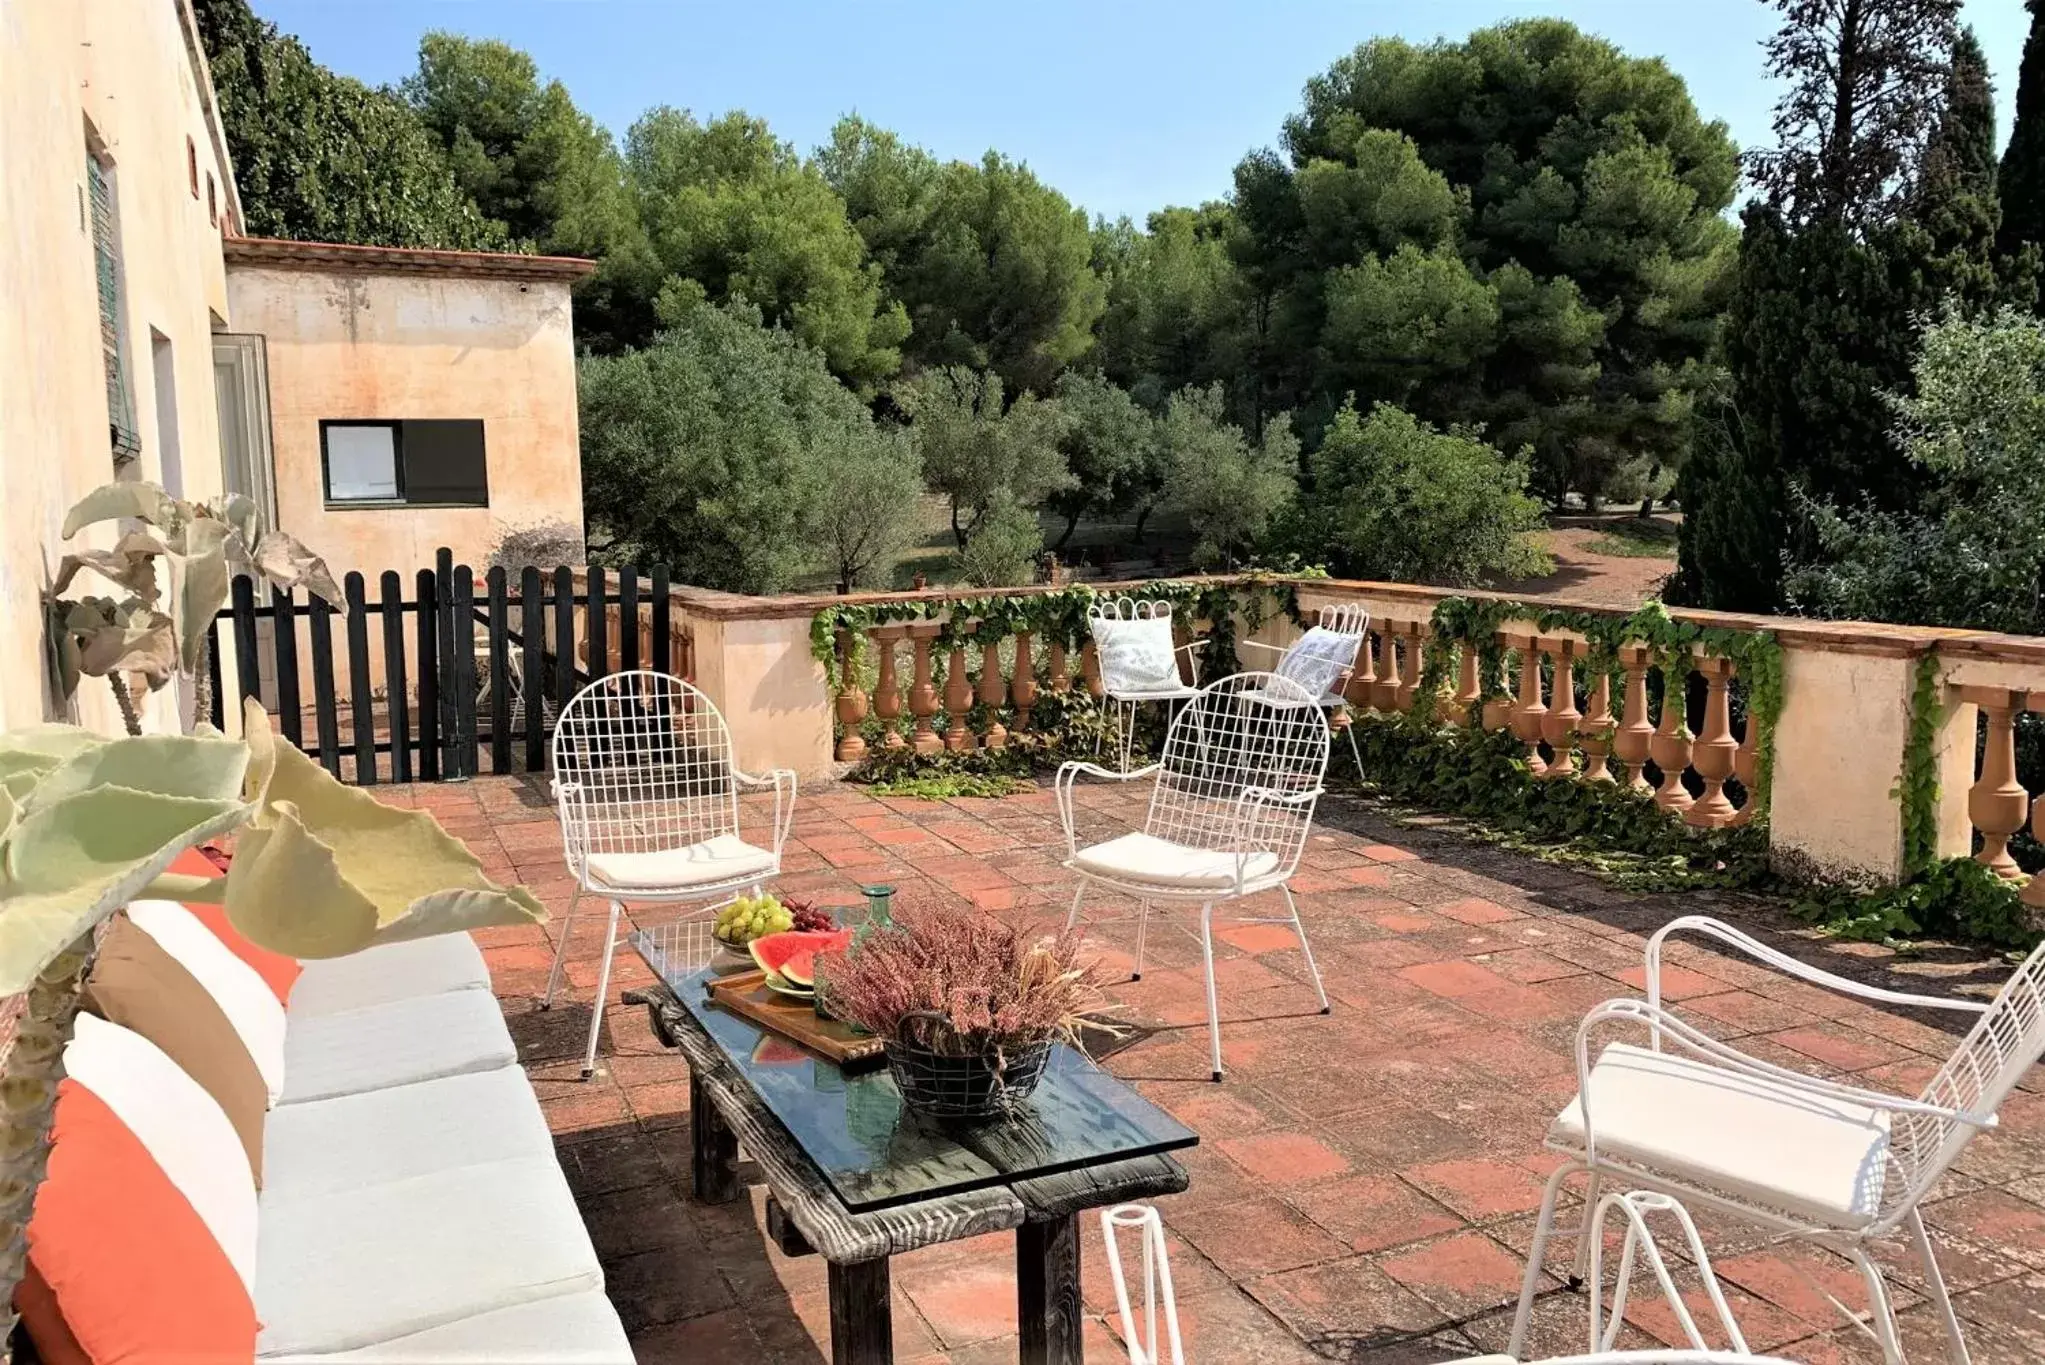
(781, 779)
(1789, 966)
(1068, 774)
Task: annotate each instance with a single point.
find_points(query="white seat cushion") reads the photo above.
(1748, 1135)
(1160, 862)
(724, 858)
(390, 971)
(566, 1329)
(348, 1270)
(323, 1147)
(236, 987)
(394, 1044)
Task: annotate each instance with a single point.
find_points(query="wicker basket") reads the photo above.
(974, 1087)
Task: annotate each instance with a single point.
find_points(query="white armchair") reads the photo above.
(1835, 1164)
(1139, 661)
(647, 794)
(1322, 659)
(1230, 805)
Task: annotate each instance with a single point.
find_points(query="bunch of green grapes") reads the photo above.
(749, 917)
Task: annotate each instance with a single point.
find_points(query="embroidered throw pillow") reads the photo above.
(1318, 659)
(1137, 657)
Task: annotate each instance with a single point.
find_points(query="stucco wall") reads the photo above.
(119, 67)
(397, 346)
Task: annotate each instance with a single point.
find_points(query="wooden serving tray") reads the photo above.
(746, 994)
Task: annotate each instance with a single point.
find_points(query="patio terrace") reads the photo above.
(1366, 1182)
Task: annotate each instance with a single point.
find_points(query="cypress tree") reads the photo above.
(2021, 184)
(1960, 158)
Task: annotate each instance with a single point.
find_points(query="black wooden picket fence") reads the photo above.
(540, 636)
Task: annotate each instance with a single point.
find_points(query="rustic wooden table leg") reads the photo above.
(862, 1324)
(1047, 1291)
(715, 1163)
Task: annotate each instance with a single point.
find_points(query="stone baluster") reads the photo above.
(2034, 892)
(1559, 727)
(1090, 669)
(1361, 691)
(1597, 731)
(1385, 696)
(1712, 755)
(1997, 803)
(958, 695)
(1022, 689)
(922, 694)
(1415, 664)
(1670, 746)
(851, 701)
(887, 691)
(1498, 710)
(1747, 766)
(1631, 741)
(1528, 717)
(1055, 665)
(993, 692)
(1463, 707)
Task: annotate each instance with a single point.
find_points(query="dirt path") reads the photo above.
(1589, 574)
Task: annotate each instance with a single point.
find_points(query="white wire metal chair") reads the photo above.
(1323, 658)
(1157, 1284)
(1233, 799)
(1139, 661)
(1813, 1160)
(647, 791)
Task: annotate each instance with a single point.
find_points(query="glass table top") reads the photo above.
(875, 1153)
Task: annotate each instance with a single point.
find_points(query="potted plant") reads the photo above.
(967, 1008)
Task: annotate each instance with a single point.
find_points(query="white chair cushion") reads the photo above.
(348, 1270)
(243, 996)
(1318, 659)
(1748, 1135)
(1160, 862)
(388, 972)
(394, 1044)
(566, 1329)
(331, 1146)
(724, 858)
(182, 1127)
(1137, 657)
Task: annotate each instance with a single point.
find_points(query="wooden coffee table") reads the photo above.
(852, 1176)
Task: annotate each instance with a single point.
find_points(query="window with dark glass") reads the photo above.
(425, 463)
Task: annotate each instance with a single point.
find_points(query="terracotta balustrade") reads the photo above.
(1361, 691)
(1997, 803)
(1670, 745)
(993, 692)
(1023, 690)
(1712, 753)
(1469, 687)
(1597, 731)
(1529, 715)
(887, 690)
(1414, 664)
(1559, 726)
(1090, 669)
(851, 700)
(1498, 711)
(958, 697)
(1747, 766)
(922, 694)
(2034, 890)
(1055, 665)
(1385, 693)
(1631, 741)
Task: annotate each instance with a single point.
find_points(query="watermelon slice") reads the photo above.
(791, 953)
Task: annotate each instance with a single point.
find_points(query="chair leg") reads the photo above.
(1881, 1313)
(1956, 1341)
(1078, 895)
(1581, 1265)
(1213, 1006)
(1142, 924)
(1301, 930)
(1543, 1226)
(603, 994)
(561, 950)
(1354, 752)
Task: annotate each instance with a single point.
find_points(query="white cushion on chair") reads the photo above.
(388, 972)
(1160, 862)
(724, 858)
(395, 1044)
(1138, 658)
(347, 1270)
(564, 1329)
(1748, 1135)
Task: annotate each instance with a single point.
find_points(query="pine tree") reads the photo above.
(2022, 182)
(1961, 155)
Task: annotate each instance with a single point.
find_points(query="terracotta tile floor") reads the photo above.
(1366, 1182)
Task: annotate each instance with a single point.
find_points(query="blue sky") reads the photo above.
(1124, 105)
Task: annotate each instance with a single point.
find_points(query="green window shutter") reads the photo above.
(126, 441)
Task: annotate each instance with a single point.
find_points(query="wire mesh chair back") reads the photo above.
(1321, 664)
(1246, 735)
(1344, 618)
(1127, 609)
(2002, 1046)
(642, 764)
